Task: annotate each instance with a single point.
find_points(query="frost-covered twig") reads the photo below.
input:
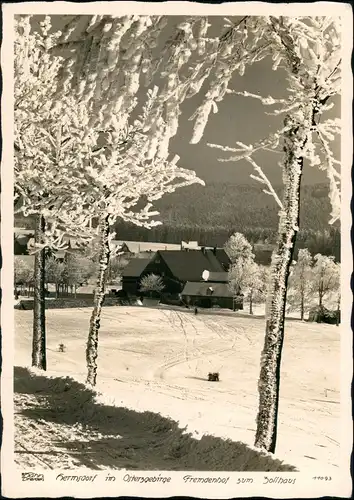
(263, 179)
(245, 153)
(267, 101)
(270, 142)
(332, 174)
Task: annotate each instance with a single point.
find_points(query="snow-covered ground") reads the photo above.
(158, 359)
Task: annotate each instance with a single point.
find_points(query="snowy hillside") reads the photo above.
(156, 360)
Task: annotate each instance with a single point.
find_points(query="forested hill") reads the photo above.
(212, 213)
(242, 207)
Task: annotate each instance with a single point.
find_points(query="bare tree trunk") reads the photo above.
(269, 380)
(320, 301)
(39, 335)
(92, 342)
(302, 307)
(109, 273)
(251, 303)
(338, 312)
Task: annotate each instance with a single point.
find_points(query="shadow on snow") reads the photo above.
(116, 437)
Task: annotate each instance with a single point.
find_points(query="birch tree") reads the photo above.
(300, 282)
(54, 273)
(70, 170)
(77, 270)
(23, 273)
(237, 247)
(116, 267)
(260, 285)
(246, 276)
(308, 50)
(37, 147)
(325, 278)
(152, 283)
(48, 148)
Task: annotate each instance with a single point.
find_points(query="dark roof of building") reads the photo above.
(222, 257)
(218, 277)
(189, 265)
(135, 268)
(206, 289)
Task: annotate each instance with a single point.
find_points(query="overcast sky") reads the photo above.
(239, 119)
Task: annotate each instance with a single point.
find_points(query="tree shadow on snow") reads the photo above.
(116, 437)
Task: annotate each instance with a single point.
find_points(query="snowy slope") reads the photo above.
(157, 360)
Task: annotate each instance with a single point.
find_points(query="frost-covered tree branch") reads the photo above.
(262, 178)
(71, 168)
(245, 152)
(309, 50)
(71, 173)
(113, 56)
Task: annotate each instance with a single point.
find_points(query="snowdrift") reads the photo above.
(72, 422)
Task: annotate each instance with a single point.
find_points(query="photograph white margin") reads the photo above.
(305, 486)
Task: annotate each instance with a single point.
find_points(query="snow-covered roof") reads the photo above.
(217, 277)
(192, 245)
(146, 246)
(23, 231)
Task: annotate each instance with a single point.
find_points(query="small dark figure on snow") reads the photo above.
(195, 310)
(213, 377)
(61, 348)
